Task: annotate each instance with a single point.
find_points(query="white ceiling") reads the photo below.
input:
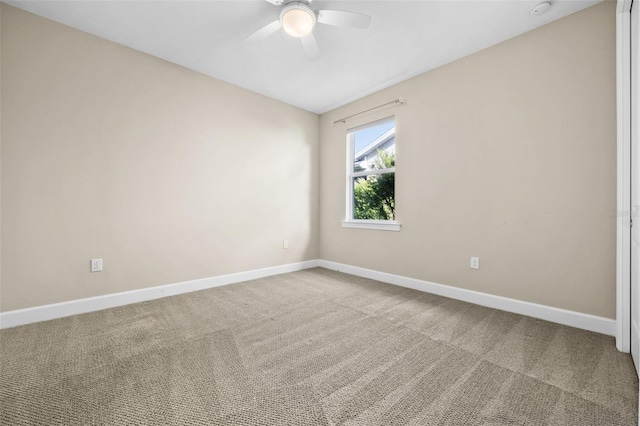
(405, 38)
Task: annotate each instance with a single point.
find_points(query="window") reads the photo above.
(371, 158)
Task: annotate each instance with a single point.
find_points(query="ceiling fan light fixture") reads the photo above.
(297, 20)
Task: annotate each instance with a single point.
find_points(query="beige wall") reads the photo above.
(509, 155)
(166, 174)
(169, 175)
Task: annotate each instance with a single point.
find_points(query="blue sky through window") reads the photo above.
(364, 137)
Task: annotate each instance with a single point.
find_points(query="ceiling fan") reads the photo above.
(297, 19)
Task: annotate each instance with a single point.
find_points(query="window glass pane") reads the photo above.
(374, 147)
(374, 197)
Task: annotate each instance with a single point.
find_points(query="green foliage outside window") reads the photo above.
(374, 196)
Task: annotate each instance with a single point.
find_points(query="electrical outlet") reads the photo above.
(475, 263)
(96, 265)
(285, 244)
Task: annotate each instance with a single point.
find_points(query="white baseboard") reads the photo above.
(635, 346)
(562, 316)
(58, 310)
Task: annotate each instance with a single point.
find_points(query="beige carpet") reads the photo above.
(311, 348)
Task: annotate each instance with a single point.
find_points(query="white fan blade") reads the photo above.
(264, 32)
(276, 2)
(310, 46)
(341, 18)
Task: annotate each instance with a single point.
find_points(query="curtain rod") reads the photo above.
(344, 120)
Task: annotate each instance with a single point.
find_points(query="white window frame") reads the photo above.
(350, 222)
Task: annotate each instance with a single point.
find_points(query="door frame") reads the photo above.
(623, 204)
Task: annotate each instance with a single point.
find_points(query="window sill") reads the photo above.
(380, 225)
